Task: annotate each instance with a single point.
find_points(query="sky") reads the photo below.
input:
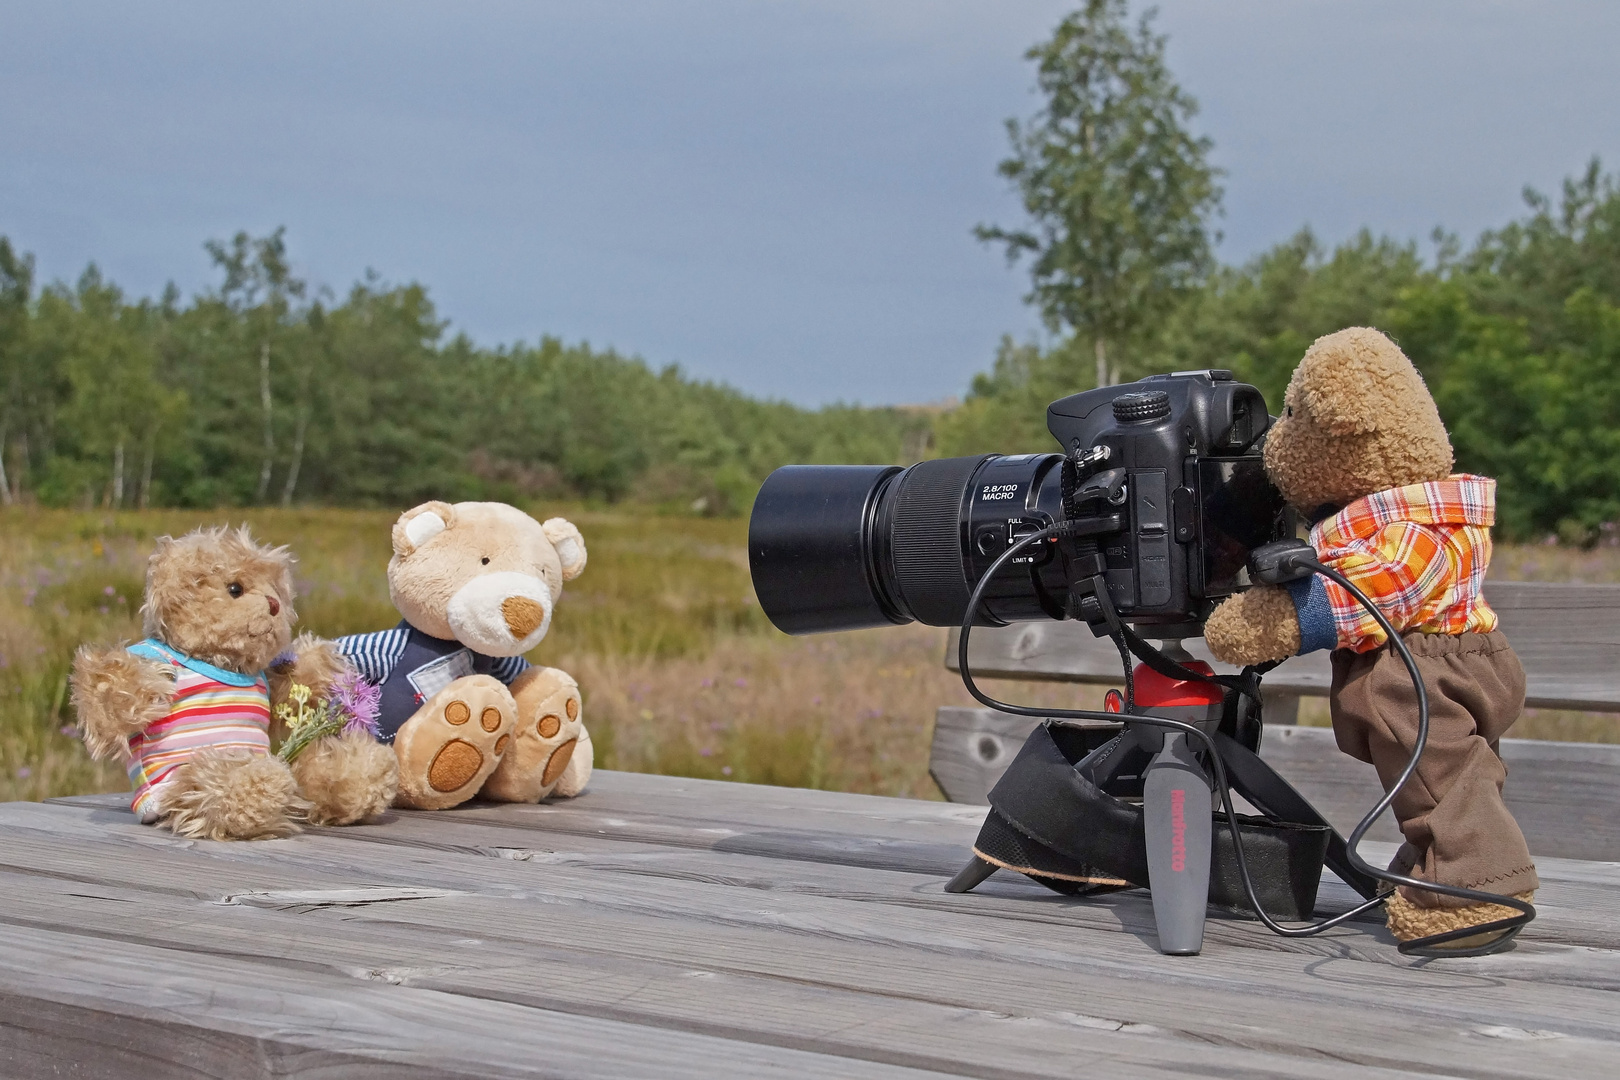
(776, 194)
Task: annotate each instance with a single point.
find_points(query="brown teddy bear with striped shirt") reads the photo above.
(191, 709)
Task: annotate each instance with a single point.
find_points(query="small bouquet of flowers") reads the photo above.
(351, 707)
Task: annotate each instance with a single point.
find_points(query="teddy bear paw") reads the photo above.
(547, 739)
(346, 779)
(449, 747)
(1408, 921)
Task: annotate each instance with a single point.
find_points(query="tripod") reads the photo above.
(1175, 781)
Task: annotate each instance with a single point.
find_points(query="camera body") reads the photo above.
(1161, 484)
(1178, 479)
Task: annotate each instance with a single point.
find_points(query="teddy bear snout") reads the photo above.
(523, 616)
(501, 614)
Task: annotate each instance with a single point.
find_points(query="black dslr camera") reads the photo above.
(1160, 489)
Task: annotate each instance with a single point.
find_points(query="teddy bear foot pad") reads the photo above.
(453, 743)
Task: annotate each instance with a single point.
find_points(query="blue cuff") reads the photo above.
(1316, 626)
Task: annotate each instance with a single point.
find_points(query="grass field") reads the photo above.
(680, 670)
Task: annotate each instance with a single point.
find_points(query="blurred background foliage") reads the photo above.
(263, 392)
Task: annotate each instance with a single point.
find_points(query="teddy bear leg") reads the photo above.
(578, 773)
(1458, 830)
(346, 778)
(232, 795)
(549, 736)
(450, 745)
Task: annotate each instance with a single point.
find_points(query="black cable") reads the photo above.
(1426, 946)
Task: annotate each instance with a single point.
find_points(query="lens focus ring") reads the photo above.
(927, 538)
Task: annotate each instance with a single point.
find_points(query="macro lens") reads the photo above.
(838, 547)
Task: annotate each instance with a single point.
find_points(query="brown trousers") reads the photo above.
(1458, 830)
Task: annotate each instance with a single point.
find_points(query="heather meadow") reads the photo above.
(682, 674)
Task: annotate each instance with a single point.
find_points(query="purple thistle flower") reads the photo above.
(357, 701)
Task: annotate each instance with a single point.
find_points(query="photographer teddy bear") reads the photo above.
(476, 584)
(1361, 450)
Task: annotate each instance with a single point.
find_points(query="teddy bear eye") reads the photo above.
(235, 589)
(485, 560)
(1288, 410)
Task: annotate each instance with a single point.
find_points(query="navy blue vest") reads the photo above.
(428, 665)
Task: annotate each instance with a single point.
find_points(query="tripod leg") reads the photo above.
(1119, 757)
(1175, 804)
(970, 876)
(1254, 779)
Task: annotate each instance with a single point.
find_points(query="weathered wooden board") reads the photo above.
(1566, 796)
(1568, 637)
(664, 927)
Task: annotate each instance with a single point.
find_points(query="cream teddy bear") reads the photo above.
(477, 584)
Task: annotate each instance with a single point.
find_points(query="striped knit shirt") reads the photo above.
(375, 655)
(1418, 552)
(211, 709)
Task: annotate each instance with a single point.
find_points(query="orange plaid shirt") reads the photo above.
(1418, 552)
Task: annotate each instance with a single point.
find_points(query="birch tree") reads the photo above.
(16, 290)
(260, 287)
(1117, 188)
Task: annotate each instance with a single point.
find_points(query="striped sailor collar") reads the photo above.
(1460, 499)
(156, 650)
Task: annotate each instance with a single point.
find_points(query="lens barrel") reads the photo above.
(838, 547)
(809, 548)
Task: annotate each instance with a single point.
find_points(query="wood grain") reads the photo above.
(658, 926)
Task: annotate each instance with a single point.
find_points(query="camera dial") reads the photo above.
(1141, 405)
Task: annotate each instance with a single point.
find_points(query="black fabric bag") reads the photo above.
(1050, 822)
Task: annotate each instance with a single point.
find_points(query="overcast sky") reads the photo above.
(778, 195)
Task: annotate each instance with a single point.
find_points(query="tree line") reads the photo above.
(261, 392)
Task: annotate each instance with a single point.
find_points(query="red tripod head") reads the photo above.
(1155, 691)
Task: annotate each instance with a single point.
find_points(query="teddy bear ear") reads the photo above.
(420, 524)
(1348, 380)
(570, 545)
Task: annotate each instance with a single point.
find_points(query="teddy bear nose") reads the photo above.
(522, 615)
(275, 606)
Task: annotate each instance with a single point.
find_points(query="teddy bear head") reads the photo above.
(217, 595)
(1356, 419)
(484, 574)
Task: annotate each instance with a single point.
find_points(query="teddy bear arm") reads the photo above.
(316, 663)
(1253, 627)
(116, 695)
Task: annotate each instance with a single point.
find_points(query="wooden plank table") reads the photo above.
(665, 927)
